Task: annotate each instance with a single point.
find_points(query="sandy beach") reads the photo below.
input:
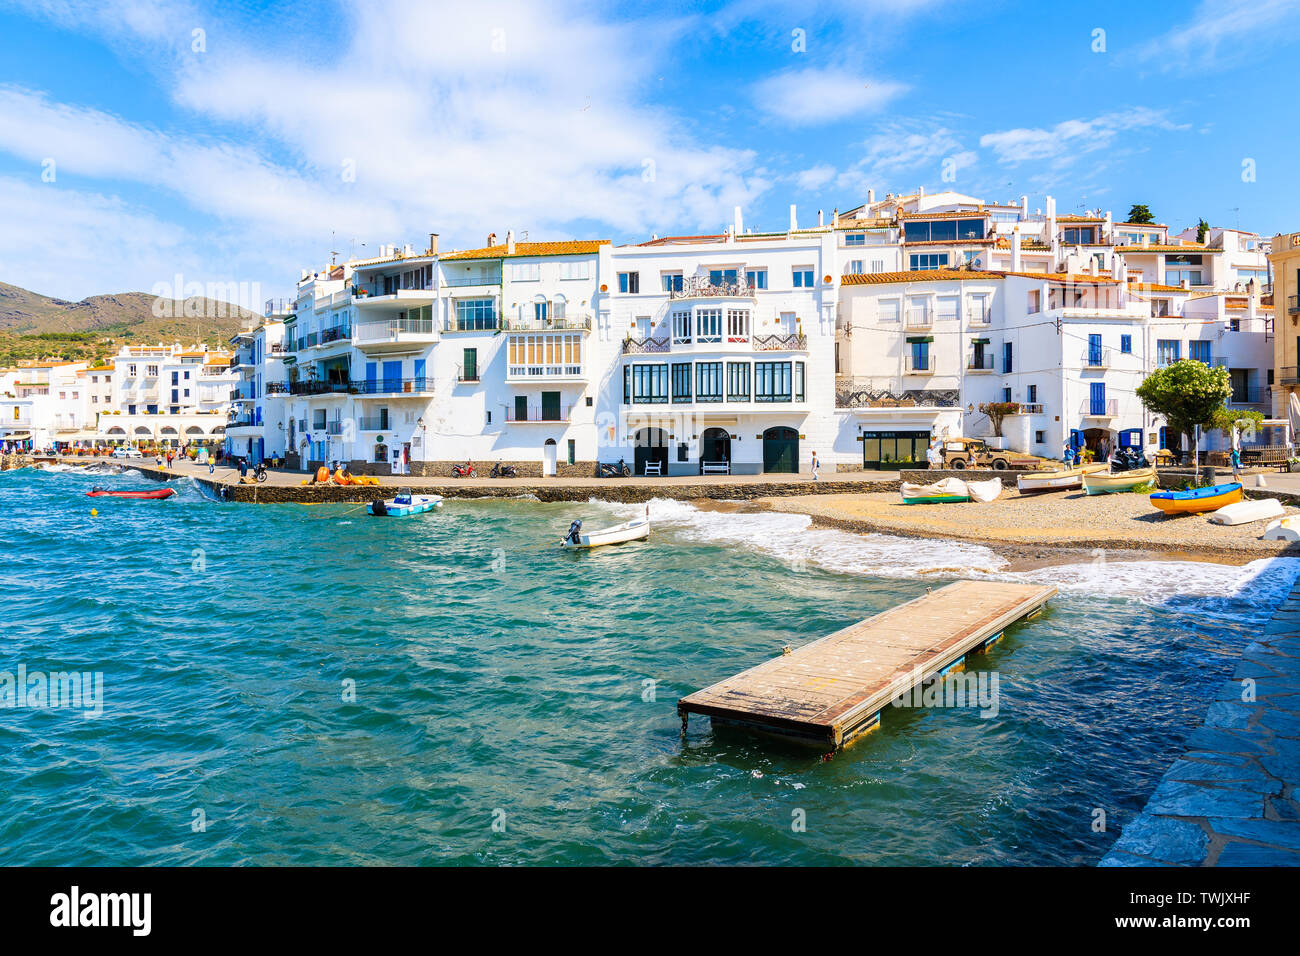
(1037, 530)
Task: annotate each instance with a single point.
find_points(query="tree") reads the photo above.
(1139, 212)
(1243, 419)
(996, 411)
(1202, 230)
(1187, 393)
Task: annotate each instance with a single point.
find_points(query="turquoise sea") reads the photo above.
(515, 704)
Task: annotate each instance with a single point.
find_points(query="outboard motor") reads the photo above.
(575, 530)
(378, 507)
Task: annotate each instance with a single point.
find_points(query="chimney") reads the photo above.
(1024, 207)
(794, 222)
(738, 228)
(871, 197)
(510, 242)
(433, 243)
(819, 218)
(835, 216)
(1051, 223)
(1015, 248)
(1107, 231)
(492, 239)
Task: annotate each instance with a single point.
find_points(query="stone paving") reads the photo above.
(1231, 799)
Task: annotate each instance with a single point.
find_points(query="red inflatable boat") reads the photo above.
(104, 493)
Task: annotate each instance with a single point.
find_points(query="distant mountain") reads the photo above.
(35, 326)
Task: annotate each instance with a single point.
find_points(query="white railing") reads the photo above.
(543, 371)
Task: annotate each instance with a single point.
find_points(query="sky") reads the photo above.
(155, 146)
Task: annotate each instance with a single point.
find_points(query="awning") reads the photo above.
(16, 436)
(920, 338)
(981, 341)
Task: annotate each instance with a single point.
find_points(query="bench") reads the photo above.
(715, 467)
(653, 468)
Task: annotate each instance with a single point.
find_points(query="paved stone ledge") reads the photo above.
(1231, 799)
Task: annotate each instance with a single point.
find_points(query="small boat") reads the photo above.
(632, 530)
(150, 495)
(1107, 482)
(1244, 512)
(1197, 500)
(1283, 529)
(1067, 479)
(984, 491)
(941, 492)
(403, 505)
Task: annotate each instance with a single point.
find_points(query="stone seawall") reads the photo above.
(1231, 798)
(11, 461)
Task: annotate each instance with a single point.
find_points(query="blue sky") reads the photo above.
(241, 142)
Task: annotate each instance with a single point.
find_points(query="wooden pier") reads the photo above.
(833, 690)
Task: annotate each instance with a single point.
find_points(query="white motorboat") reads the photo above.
(633, 530)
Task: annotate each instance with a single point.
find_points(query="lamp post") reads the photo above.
(419, 423)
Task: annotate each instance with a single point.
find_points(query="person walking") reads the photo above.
(815, 463)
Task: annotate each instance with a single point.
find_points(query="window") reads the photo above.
(708, 381)
(979, 309)
(1081, 236)
(672, 281)
(1035, 303)
(472, 314)
(772, 381)
(708, 325)
(723, 276)
(855, 267)
(1234, 325)
(1126, 344)
(629, 282)
(803, 277)
(1039, 438)
(1094, 349)
(1006, 359)
(682, 325)
(1176, 276)
(737, 381)
(1006, 395)
(855, 239)
(573, 451)
(649, 384)
(575, 270)
(943, 230)
(799, 371)
(1200, 351)
(887, 310)
(926, 261)
(541, 310)
(1167, 351)
(877, 265)
(948, 307)
(737, 325)
(681, 381)
(1031, 394)
(756, 278)
(920, 357)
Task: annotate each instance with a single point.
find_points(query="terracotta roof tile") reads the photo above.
(568, 248)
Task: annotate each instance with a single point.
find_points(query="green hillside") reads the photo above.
(34, 326)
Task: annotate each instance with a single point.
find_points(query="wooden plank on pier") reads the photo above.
(834, 688)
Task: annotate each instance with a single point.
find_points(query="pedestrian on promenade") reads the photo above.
(814, 466)
(243, 469)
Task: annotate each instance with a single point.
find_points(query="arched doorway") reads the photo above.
(715, 447)
(781, 450)
(650, 444)
(548, 458)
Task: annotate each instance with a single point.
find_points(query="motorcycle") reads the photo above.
(464, 471)
(1127, 459)
(614, 471)
(259, 472)
(504, 471)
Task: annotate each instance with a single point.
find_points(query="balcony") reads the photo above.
(700, 287)
(477, 278)
(918, 319)
(1287, 375)
(1095, 357)
(562, 323)
(790, 342)
(980, 362)
(474, 325)
(979, 318)
(919, 365)
(392, 386)
(534, 414)
(468, 376)
(319, 388)
(334, 428)
(1293, 304)
(277, 388)
(644, 346)
(277, 307)
(1248, 397)
(1103, 409)
(374, 423)
(393, 334)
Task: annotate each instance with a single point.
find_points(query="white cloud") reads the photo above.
(811, 96)
(902, 154)
(1237, 28)
(815, 177)
(1069, 139)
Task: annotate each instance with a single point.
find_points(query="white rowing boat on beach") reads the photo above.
(1283, 529)
(1067, 479)
(1109, 482)
(1244, 512)
(633, 530)
(984, 491)
(944, 491)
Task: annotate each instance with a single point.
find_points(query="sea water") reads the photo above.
(289, 684)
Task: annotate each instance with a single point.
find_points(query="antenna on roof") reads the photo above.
(333, 253)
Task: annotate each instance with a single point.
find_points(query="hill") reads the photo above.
(35, 326)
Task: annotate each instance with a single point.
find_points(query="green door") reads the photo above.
(471, 365)
(781, 450)
(521, 408)
(550, 406)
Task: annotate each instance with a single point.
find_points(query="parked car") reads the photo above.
(962, 453)
(127, 453)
